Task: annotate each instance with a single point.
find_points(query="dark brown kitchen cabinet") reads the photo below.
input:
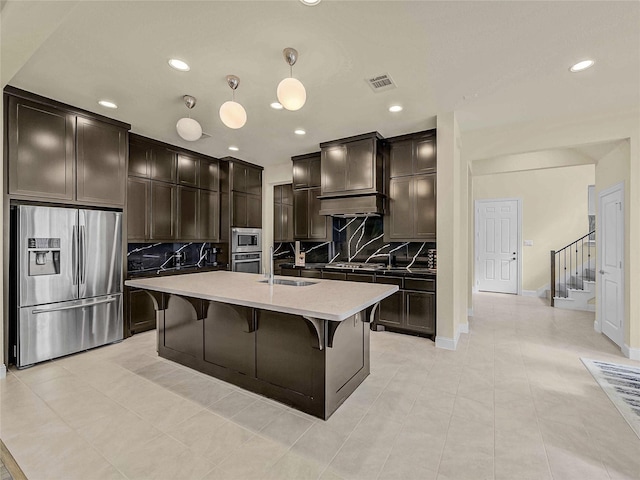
(209, 215)
(420, 312)
(41, 150)
(246, 179)
(311, 273)
(308, 223)
(254, 181)
(352, 165)
(188, 170)
(306, 170)
(139, 165)
(138, 211)
(56, 152)
(412, 208)
(140, 311)
(412, 154)
(392, 309)
(101, 162)
(283, 213)
(283, 194)
(163, 165)
(183, 325)
(334, 275)
(246, 210)
(209, 174)
(163, 211)
(188, 215)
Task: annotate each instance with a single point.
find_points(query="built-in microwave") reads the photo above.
(246, 240)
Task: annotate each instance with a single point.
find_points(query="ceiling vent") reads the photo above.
(381, 83)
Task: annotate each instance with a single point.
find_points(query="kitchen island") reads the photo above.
(305, 344)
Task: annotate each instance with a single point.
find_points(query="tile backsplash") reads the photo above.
(145, 257)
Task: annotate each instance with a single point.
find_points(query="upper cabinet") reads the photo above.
(56, 152)
(352, 166)
(244, 203)
(304, 219)
(283, 213)
(306, 171)
(413, 155)
(412, 201)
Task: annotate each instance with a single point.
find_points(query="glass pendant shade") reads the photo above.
(291, 94)
(233, 115)
(189, 129)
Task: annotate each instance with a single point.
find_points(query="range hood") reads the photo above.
(349, 206)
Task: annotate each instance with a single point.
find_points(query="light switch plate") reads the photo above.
(528, 243)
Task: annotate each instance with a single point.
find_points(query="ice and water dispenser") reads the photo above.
(44, 256)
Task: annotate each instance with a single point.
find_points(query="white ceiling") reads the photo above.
(494, 63)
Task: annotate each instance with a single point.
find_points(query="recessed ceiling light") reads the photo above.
(277, 106)
(299, 131)
(108, 104)
(583, 65)
(310, 3)
(395, 108)
(233, 149)
(179, 65)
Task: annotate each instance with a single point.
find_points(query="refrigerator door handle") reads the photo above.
(71, 307)
(83, 255)
(74, 254)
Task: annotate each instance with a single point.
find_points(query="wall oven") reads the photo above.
(246, 240)
(246, 250)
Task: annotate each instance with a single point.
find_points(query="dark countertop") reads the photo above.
(156, 272)
(419, 272)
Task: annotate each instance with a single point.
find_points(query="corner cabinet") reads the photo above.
(283, 213)
(412, 309)
(57, 152)
(412, 201)
(308, 224)
(173, 194)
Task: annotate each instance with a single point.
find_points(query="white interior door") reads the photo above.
(611, 257)
(497, 246)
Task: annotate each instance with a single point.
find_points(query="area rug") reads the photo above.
(622, 384)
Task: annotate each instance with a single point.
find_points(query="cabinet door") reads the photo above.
(391, 309)
(163, 211)
(41, 151)
(420, 312)
(101, 162)
(139, 160)
(334, 169)
(209, 174)
(401, 206)
(317, 223)
(254, 211)
(254, 181)
(163, 164)
(287, 223)
(425, 158)
(141, 313)
(209, 215)
(425, 206)
(315, 172)
(277, 222)
(277, 194)
(360, 165)
(188, 170)
(239, 178)
(137, 208)
(182, 329)
(286, 194)
(239, 209)
(188, 213)
(301, 173)
(300, 214)
(400, 158)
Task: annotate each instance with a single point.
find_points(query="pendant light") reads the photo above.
(188, 128)
(291, 92)
(232, 113)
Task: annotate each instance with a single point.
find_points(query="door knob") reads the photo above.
(602, 272)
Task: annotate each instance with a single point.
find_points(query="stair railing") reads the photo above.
(564, 261)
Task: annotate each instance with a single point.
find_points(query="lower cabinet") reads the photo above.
(412, 308)
(391, 310)
(183, 325)
(420, 312)
(140, 311)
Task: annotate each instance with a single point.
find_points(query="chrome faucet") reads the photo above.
(271, 267)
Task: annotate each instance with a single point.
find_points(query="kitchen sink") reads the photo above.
(291, 283)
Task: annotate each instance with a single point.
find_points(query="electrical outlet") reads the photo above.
(528, 243)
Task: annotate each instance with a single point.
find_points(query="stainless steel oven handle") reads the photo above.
(71, 307)
(252, 260)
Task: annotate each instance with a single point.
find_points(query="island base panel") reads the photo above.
(273, 354)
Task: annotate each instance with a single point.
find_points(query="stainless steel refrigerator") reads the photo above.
(68, 281)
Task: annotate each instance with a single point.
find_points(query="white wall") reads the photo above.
(554, 211)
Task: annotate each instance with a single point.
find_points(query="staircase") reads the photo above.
(573, 285)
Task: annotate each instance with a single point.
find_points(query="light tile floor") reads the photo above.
(513, 402)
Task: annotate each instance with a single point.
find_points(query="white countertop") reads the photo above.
(326, 299)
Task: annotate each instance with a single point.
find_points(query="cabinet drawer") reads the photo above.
(290, 272)
(359, 277)
(334, 275)
(311, 273)
(423, 285)
(390, 280)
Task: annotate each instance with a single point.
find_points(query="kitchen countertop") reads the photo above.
(325, 299)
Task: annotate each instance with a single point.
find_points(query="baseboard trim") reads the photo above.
(631, 353)
(446, 343)
(529, 293)
(3, 370)
(596, 326)
(463, 328)
(470, 312)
